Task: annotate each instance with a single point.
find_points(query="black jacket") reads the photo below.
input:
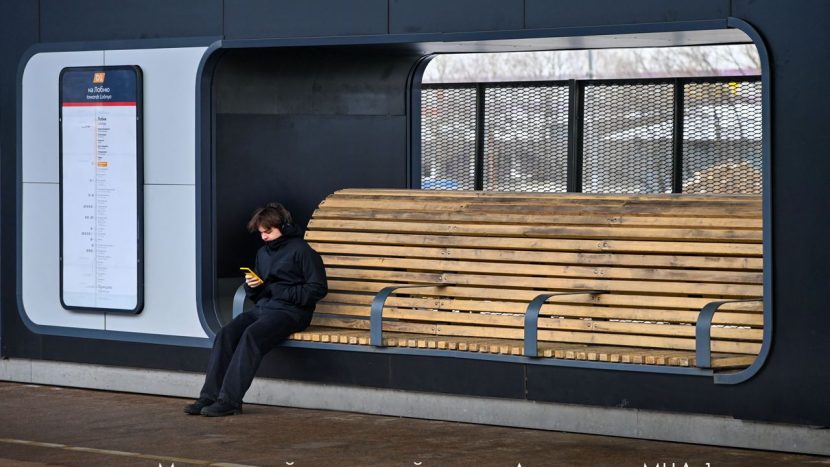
(294, 276)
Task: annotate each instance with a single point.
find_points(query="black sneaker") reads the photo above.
(196, 407)
(221, 408)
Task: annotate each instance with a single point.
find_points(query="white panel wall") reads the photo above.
(169, 103)
(169, 274)
(41, 111)
(169, 191)
(41, 267)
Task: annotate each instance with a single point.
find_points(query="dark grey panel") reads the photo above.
(90, 20)
(18, 31)
(310, 81)
(296, 125)
(297, 160)
(797, 37)
(786, 390)
(419, 16)
(128, 354)
(327, 367)
(247, 19)
(557, 14)
(620, 389)
(458, 376)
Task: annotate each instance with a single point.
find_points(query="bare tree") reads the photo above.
(588, 64)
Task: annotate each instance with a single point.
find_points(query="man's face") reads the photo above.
(269, 234)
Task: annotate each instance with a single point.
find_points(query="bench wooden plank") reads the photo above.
(436, 329)
(513, 347)
(722, 363)
(540, 231)
(583, 259)
(505, 198)
(545, 270)
(662, 197)
(335, 300)
(506, 216)
(517, 321)
(543, 244)
(552, 283)
(524, 296)
(558, 208)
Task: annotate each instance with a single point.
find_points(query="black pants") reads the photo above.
(238, 350)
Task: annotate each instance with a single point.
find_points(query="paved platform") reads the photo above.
(45, 425)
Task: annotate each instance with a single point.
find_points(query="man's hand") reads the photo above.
(253, 282)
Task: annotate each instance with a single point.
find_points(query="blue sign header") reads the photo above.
(116, 85)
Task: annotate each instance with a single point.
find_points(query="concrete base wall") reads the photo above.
(610, 421)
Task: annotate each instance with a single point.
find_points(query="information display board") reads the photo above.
(101, 189)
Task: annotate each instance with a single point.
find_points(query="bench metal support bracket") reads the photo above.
(703, 331)
(239, 301)
(376, 313)
(532, 318)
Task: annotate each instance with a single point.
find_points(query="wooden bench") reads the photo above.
(610, 278)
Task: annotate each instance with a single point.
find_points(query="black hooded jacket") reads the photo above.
(294, 276)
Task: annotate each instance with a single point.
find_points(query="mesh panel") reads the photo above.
(627, 139)
(526, 138)
(627, 143)
(722, 138)
(448, 130)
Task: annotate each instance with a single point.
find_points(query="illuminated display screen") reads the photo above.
(101, 180)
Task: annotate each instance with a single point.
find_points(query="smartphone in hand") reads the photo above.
(249, 271)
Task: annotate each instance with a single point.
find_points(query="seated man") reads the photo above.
(293, 280)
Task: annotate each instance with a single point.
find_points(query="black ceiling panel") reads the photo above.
(90, 20)
(548, 14)
(253, 19)
(422, 16)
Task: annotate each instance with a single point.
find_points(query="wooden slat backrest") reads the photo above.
(660, 258)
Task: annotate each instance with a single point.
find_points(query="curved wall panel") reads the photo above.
(169, 192)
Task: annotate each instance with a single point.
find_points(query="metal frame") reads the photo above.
(576, 127)
(139, 188)
(677, 136)
(376, 312)
(721, 378)
(766, 196)
(413, 129)
(703, 331)
(703, 325)
(204, 147)
(532, 318)
(212, 44)
(481, 103)
(530, 338)
(576, 118)
(239, 298)
(517, 359)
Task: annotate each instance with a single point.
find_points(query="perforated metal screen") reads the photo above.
(624, 136)
(722, 138)
(526, 138)
(627, 142)
(448, 138)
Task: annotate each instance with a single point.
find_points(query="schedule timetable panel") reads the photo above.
(101, 183)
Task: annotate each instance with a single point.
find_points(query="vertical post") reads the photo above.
(414, 151)
(414, 114)
(576, 121)
(479, 160)
(677, 138)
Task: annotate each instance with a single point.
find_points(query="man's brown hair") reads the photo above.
(271, 216)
